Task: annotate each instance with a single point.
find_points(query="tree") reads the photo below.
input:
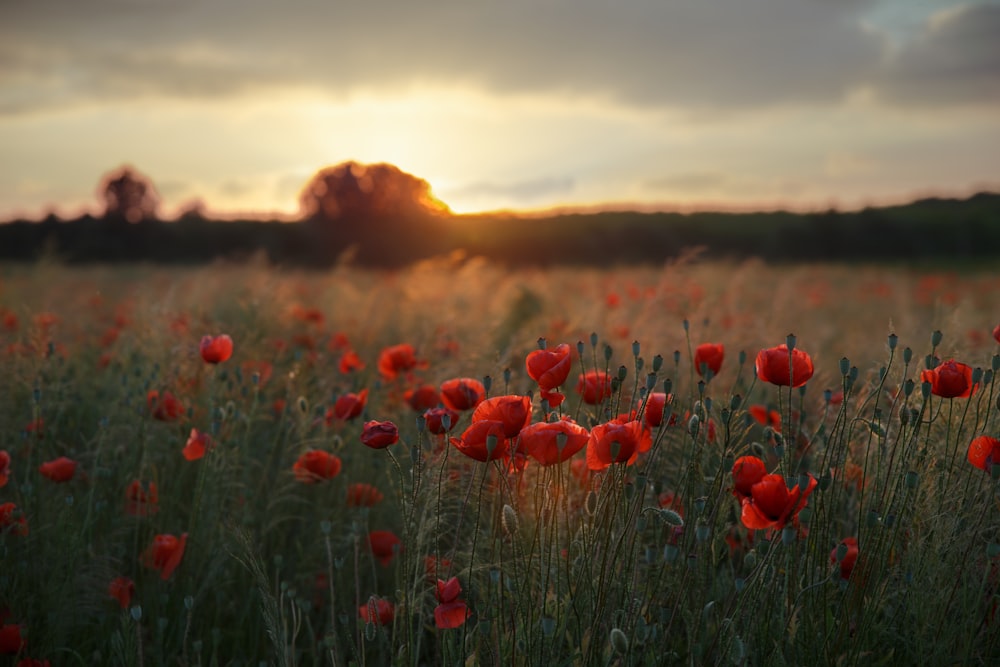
(128, 195)
(358, 191)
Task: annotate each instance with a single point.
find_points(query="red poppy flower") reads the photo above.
(165, 407)
(655, 405)
(433, 566)
(771, 504)
(553, 442)
(377, 610)
(379, 435)
(196, 445)
(18, 526)
(553, 398)
(594, 387)
(613, 443)
(350, 362)
(398, 359)
(338, 341)
(850, 558)
(10, 322)
(951, 379)
(450, 612)
(476, 439)
(709, 356)
(215, 350)
(384, 545)
(316, 465)
(773, 366)
(646, 435)
(550, 368)
(766, 417)
(984, 451)
(747, 471)
(514, 412)
(122, 589)
(462, 393)
(140, 502)
(347, 406)
(58, 470)
(363, 495)
(422, 398)
(434, 419)
(11, 642)
(4, 467)
(165, 554)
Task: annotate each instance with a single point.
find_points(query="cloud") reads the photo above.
(955, 60)
(707, 54)
(517, 191)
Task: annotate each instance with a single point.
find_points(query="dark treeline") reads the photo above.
(929, 229)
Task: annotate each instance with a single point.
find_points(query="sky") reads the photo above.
(517, 105)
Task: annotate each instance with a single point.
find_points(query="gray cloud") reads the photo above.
(687, 53)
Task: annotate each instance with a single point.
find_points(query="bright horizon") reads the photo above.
(687, 105)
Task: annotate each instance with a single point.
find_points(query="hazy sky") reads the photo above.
(513, 104)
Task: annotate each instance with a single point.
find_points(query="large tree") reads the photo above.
(358, 191)
(129, 195)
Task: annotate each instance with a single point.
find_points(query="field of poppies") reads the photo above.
(701, 463)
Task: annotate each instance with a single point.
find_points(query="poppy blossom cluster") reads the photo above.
(766, 500)
(398, 359)
(617, 441)
(984, 452)
(384, 545)
(379, 435)
(594, 387)
(440, 420)
(165, 554)
(122, 589)
(140, 501)
(164, 406)
(61, 469)
(216, 349)
(495, 421)
(196, 446)
(363, 495)
(315, 466)
(11, 519)
(347, 407)
(377, 610)
(450, 611)
(422, 397)
(462, 393)
(708, 357)
(950, 379)
(550, 369)
(847, 557)
(550, 443)
(783, 367)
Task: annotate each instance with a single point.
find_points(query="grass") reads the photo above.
(646, 563)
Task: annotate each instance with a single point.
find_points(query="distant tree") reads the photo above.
(128, 195)
(358, 191)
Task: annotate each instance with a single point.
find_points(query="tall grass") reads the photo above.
(646, 563)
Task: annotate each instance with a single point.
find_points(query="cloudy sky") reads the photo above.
(516, 104)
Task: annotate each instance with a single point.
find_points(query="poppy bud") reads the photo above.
(790, 341)
(508, 519)
(936, 337)
(608, 352)
(686, 325)
(579, 347)
(996, 363)
(619, 642)
(677, 357)
(657, 363)
(541, 343)
(622, 373)
(893, 340)
(907, 355)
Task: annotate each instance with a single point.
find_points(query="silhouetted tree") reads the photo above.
(128, 195)
(358, 191)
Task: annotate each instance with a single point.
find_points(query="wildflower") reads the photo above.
(215, 350)
(122, 589)
(140, 502)
(773, 366)
(434, 419)
(58, 470)
(165, 554)
(377, 610)
(347, 406)
(479, 437)
(656, 402)
(553, 442)
(849, 558)
(462, 393)
(196, 445)
(422, 398)
(553, 398)
(708, 356)
(550, 368)
(613, 443)
(397, 359)
(984, 452)
(765, 416)
(450, 612)
(11, 642)
(384, 545)
(771, 504)
(514, 412)
(338, 341)
(350, 362)
(996, 333)
(4, 467)
(594, 387)
(18, 526)
(164, 407)
(316, 465)
(363, 495)
(434, 565)
(308, 315)
(379, 435)
(950, 379)
(747, 471)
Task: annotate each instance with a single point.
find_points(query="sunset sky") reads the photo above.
(520, 104)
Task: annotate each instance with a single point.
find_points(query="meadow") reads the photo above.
(454, 463)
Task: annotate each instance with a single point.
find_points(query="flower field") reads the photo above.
(704, 463)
